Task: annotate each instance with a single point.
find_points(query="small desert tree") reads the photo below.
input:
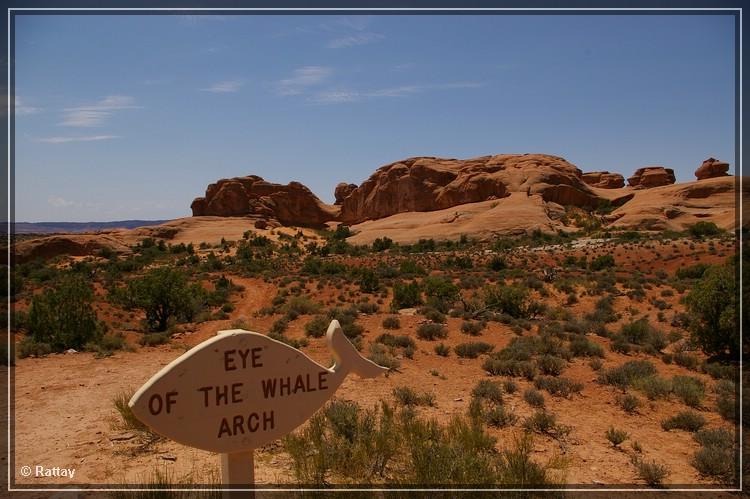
(165, 294)
(713, 305)
(63, 317)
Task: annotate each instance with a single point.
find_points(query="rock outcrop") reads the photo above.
(678, 206)
(429, 183)
(604, 180)
(342, 192)
(291, 204)
(712, 168)
(69, 244)
(651, 176)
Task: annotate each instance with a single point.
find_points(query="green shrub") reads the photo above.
(640, 332)
(395, 341)
(563, 387)
(499, 416)
(345, 440)
(719, 437)
(409, 397)
(431, 331)
(367, 307)
(692, 272)
(406, 295)
(379, 354)
(726, 405)
(720, 371)
(392, 322)
(472, 350)
(541, 421)
(279, 326)
(347, 318)
(128, 420)
(433, 315)
(713, 305)
(442, 350)
(369, 281)
(533, 397)
(686, 360)
(581, 346)
(511, 300)
(652, 473)
(164, 294)
(602, 262)
(688, 389)
(28, 347)
(107, 345)
(382, 244)
(472, 328)
(624, 375)
(489, 390)
(441, 288)
(629, 403)
(300, 305)
(685, 420)
(654, 387)
(63, 317)
(551, 365)
(509, 367)
(154, 339)
(703, 229)
(317, 326)
(615, 436)
(510, 386)
(715, 462)
(716, 457)
(497, 263)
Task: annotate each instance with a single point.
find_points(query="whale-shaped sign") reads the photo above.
(241, 390)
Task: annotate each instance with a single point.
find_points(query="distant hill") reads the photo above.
(76, 227)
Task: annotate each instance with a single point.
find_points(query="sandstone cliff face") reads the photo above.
(678, 206)
(712, 168)
(429, 183)
(604, 180)
(651, 176)
(342, 192)
(291, 204)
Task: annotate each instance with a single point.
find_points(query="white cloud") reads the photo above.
(401, 91)
(338, 96)
(22, 108)
(302, 78)
(223, 87)
(59, 202)
(335, 97)
(354, 40)
(64, 140)
(96, 114)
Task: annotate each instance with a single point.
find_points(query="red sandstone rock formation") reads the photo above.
(651, 176)
(712, 168)
(291, 204)
(429, 183)
(604, 180)
(342, 191)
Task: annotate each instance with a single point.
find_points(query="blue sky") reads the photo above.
(123, 117)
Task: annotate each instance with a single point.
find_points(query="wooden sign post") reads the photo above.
(241, 390)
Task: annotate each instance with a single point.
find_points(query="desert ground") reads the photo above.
(65, 415)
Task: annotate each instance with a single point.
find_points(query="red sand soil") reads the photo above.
(64, 414)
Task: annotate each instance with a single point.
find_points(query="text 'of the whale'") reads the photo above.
(241, 390)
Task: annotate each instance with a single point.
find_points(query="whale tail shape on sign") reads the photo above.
(347, 358)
